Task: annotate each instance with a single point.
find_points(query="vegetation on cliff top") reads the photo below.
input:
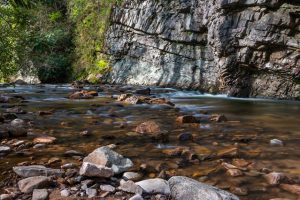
(56, 40)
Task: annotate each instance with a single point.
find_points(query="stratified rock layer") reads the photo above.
(242, 48)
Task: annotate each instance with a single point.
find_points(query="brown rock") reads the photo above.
(240, 162)
(44, 140)
(274, 178)
(187, 119)
(295, 189)
(218, 118)
(148, 127)
(228, 153)
(234, 172)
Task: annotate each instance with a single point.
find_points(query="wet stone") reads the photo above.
(185, 137)
(276, 142)
(36, 170)
(130, 187)
(187, 119)
(37, 182)
(44, 140)
(40, 194)
(132, 176)
(107, 188)
(65, 193)
(155, 186)
(274, 178)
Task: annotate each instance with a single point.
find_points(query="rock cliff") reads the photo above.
(239, 47)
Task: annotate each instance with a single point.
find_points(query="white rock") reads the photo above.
(107, 188)
(137, 197)
(17, 123)
(276, 142)
(130, 187)
(4, 149)
(132, 176)
(91, 192)
(40, 194)
(65, 193)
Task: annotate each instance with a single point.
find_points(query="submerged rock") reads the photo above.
(83, 95)
(44, 140)
(106, 157)
(187, 119)
(36, 170)
(148, 127)
(186, 188)
(37, 182)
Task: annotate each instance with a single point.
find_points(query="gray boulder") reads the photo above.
(186, 188)
(155, 186)
(27, 185)
(106, 157)
(40, 194)
(36, 170)
(92, 170)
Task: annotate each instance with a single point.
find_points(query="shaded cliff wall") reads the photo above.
(240, 47)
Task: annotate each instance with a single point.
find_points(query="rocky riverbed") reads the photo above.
(123, 142)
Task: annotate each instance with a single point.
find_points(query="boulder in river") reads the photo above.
(36, 170)
(155, 186)
(93, 170)
(106, 157)
(187, 188)
(27, 185)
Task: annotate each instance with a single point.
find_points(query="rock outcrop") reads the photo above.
(242, 48)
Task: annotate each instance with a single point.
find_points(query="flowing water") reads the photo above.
(251, 124)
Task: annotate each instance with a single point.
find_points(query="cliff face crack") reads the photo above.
(243, 48)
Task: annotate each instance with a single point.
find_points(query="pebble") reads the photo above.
(107, 188)
(137, 197)
(91, 192)
(65, 193)
(40, 194)
(276, 142)
(132, 176)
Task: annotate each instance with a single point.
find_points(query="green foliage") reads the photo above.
(90, 18)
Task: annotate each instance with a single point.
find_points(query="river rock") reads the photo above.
(6, 196)
(218, 118)
(82, 95)
(187, 119)
(40, 194)
(91, 192)
(132, 176)
(274, 178)
(104, 156)
(148, 127)
(130, 187)
(93, 170)
(17, 123)
(107, 188)
(27, 185)
(276, 142)
(137, 197)
(155, 186)
(44, 140)
(4, 150)
(185, 137)
(65, 193)
(36, 170)
(187, 188)
(295, 189)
